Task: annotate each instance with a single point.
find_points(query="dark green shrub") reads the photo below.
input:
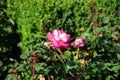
(8, 41)
(96, 20)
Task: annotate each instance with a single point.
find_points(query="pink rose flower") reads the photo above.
(79, 42)
(59, 39)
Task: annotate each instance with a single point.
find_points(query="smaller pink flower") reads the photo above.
(79, 42)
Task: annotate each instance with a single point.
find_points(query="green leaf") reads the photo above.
(1, 63)
(115, 68)
(67, 53)
(94, 54)
(8, 77)
(118, 56)
(24, 55)
(108, 78)
(10, 20)
(40, 66)
(21, 67)
(106, 19)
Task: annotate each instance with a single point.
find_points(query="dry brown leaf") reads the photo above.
(41, 77)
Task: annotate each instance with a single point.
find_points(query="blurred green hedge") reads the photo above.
(98, 21)
(35, 18)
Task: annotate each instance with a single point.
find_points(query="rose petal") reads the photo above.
(63, 45)
(63, 36)
(55, 32)
(55, 44)
(50, 36)
(56, 38)
(81, 45)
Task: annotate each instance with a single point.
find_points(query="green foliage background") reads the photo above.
(87, 18)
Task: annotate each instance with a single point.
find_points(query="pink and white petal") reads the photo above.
(50, 36)
(63, 37)
(55, 32)
(81, 45)
(60, 32)
(56, 38)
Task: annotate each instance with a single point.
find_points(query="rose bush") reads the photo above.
(95, 56)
